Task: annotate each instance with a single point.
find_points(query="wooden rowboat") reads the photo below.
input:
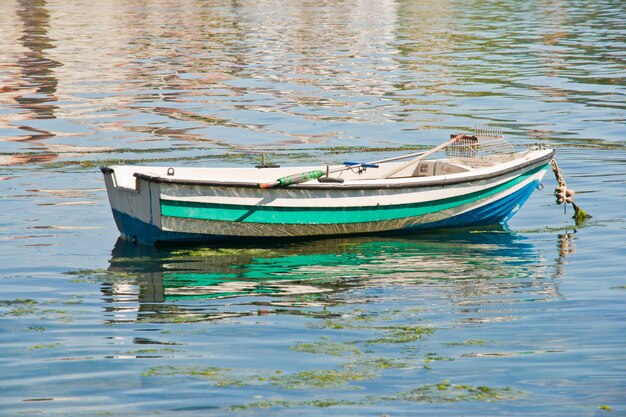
(154, 205)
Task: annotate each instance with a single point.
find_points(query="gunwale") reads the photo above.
(401, 183)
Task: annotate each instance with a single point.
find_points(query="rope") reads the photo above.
(566, 195)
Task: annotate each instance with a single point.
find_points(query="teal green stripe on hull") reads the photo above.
(326, 215)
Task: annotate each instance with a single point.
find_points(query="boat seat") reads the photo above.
(424, 169)
(432, 168)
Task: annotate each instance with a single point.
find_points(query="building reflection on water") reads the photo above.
(203, 283)
(267, 74)
(38, 75)
(32, 84)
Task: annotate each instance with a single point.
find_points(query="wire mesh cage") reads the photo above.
(486, 146)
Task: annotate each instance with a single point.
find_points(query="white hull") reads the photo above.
(225, 203)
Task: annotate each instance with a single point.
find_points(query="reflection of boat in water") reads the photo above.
(314, 273)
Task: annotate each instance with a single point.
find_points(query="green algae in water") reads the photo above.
(444, 391)
(226, 377)
(209, 252)
(148, 351)
(44, 346)
(99, 275)
(402, 334)
(35, 329)
(18, 301)
(375, 364)
(91, 164)
(470, 342)
(328, 324)
(580, 216)
(21, 311)
(327, 348)
(20, 307)
(184, 370)
(275, 403)
(71, 300)
(435, 357)
(55, 314)
(221, 377)
(24, 307)
(358, 320)
(322, 379)
(176, 318)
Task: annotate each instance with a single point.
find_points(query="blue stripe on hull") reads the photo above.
(499, 211)
(135, 230)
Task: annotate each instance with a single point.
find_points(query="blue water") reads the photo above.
(521, 321)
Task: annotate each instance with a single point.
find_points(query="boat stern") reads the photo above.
(134, 203)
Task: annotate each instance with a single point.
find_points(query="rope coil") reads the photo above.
(565, 195)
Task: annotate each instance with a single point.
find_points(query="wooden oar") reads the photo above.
(394, 171)
(318, 173)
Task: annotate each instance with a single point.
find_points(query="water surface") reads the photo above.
(525, 320)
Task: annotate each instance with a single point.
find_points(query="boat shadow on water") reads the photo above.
(301, 277)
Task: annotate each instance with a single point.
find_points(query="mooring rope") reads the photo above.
(565, 195)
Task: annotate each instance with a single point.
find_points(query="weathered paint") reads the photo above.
(499, 210)
(326, 215)
(188, 208)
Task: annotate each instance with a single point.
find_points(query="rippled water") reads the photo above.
(523, 321)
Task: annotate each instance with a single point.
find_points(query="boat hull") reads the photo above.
(160, 211)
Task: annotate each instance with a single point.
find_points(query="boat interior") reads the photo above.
(124, 175)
